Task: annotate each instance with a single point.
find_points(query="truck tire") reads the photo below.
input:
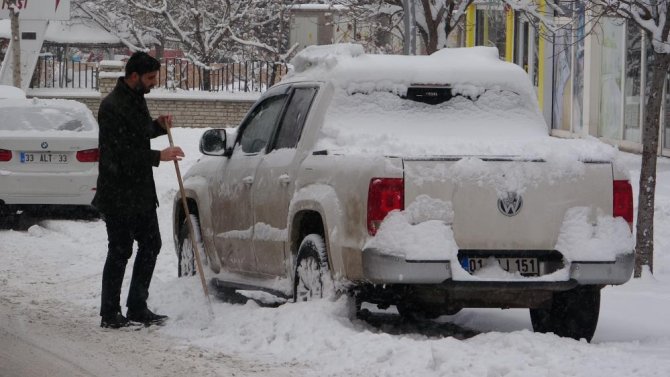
(311, 269)
(185, 256)
(573, 314)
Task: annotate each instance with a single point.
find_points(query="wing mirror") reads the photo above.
(215, 142)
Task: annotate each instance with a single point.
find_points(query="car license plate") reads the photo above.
(525, 266)
(44, 158)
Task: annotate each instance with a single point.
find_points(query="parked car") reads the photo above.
(426, 182)
(7, 91)
(48, 157)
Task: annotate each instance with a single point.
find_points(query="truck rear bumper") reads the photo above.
(380, 268)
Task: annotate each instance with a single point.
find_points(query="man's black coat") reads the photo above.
(125, 181)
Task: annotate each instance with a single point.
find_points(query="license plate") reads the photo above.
(44, 158)
(524, 266)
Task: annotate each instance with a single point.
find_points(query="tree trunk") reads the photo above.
(16, 47)
(430, 37)
(644, 248)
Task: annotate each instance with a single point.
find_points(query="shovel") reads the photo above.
(189, 223)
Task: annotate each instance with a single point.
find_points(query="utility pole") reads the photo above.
(409, 19)
(16, 43)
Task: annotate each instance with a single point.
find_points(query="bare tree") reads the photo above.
(134, 28)
(652, 18)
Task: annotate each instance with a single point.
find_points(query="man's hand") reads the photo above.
(172, 154)
(165, 121)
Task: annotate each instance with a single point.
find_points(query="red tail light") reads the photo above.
(623, 201)
(5, 155)
(384, 196)
(88, 155)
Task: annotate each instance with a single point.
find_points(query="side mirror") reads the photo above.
(214, 142)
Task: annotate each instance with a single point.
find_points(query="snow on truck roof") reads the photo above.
(349, 67)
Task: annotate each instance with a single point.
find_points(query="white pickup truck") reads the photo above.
(426, 182)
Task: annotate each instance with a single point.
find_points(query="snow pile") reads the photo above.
(324, 57)
(421, 232)
(589, 235)
(347, 67)
(503, 177)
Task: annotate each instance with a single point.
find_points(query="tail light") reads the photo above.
(384, 196)
(88, 155)
(623, 201)
(5, 155)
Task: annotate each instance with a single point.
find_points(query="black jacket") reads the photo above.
(125, 180)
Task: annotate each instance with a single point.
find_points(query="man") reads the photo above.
(126, 192)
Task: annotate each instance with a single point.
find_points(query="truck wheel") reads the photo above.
(185, 256)
(311, 269)
(573, 314)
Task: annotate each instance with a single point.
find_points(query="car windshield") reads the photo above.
(428, 121)
(40, 118)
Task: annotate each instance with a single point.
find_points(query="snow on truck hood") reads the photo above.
(494, 111)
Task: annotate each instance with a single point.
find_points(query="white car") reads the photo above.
(426, 182)
(48, 156)
(7, 91)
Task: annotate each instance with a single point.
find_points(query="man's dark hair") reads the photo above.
(142, 63)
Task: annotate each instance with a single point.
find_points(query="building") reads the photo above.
(587, 83)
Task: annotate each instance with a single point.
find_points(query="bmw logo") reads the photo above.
(45, 145)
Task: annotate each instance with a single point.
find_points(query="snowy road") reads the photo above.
(49, 324)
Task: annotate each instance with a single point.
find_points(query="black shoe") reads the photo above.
(146, 316)
(114, 321)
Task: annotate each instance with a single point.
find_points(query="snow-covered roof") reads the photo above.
(75, 31)
(348, 66)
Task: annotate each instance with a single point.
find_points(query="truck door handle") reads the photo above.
(284, 179)
(248, 180)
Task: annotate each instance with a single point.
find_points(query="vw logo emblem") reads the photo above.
(510, 205)
(45, 145)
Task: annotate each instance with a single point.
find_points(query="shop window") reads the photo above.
(578, 69)
(562, 98)
(526, 51)
(491, 29)
(611, 67)
(631, 113)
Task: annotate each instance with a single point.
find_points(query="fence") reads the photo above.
(249, 76)
(52, 73)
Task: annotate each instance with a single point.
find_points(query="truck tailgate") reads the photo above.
(508, 203)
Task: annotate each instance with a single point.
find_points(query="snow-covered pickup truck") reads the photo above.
(426, 182)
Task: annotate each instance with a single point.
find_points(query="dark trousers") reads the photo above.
(121, 232)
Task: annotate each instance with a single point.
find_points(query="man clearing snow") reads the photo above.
(126, 192)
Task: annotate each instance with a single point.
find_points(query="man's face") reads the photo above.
(147, 81)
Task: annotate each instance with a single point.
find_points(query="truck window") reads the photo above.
(294, 118)
(258, 129)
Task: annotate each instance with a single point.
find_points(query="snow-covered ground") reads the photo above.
(50, 291)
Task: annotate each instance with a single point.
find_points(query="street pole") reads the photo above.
(16, 45)
(409, 21)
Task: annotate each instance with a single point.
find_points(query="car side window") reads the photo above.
(260, 124)
(294, 118)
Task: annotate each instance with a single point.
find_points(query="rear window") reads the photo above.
(39, 118)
